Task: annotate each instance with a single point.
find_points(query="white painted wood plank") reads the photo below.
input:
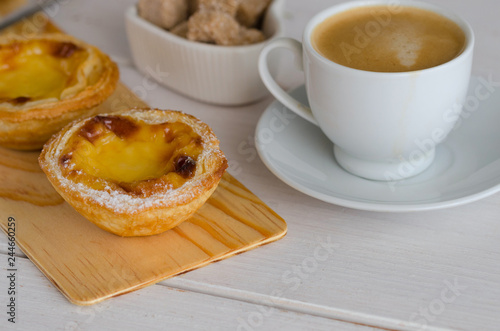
(390, 267)
(39, 306)
(387, 268)
(379, 273)
(100, 23)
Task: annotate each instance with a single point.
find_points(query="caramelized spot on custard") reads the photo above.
(20, 100)
(65, 49)
(16, 101)
(138, 157)
(65, 159)
(185, 166)
(122, 127)
(91, 130)
(169, 135)
(198, 141)
(39, 69)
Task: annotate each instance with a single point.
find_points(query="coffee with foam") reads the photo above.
(383, 39)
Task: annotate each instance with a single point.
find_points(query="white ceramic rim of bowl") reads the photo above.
(167, 35)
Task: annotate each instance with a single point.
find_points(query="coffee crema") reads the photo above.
(388, 39)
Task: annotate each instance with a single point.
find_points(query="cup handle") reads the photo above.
(286, 99)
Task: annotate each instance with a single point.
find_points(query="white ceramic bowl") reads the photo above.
(224, 75)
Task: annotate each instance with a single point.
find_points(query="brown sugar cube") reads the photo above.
(192, 6)
(250, 11)
(225, 6)
(213, 27)
(180, 29)
(163, 13)
(250, 36)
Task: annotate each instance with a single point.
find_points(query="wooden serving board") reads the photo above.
(89, 265)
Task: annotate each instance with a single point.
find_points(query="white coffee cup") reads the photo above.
(384, 125)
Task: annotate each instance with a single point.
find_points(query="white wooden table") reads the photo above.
(438, 270)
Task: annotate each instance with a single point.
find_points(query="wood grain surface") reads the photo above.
(88, 264)
(9, 6)
(386, 271)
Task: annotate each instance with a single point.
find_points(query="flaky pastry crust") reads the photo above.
(139, 207)
(27, 122)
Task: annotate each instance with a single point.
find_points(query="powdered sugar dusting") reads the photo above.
(119, 201)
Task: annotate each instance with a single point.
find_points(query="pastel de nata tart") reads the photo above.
(135, 173)
(47, 82)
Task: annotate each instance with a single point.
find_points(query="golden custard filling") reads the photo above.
(39, 69)
(133, 155)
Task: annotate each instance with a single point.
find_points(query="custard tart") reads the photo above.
(47, 82)
(135, 173)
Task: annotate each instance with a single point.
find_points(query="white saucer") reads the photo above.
(466, 167)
